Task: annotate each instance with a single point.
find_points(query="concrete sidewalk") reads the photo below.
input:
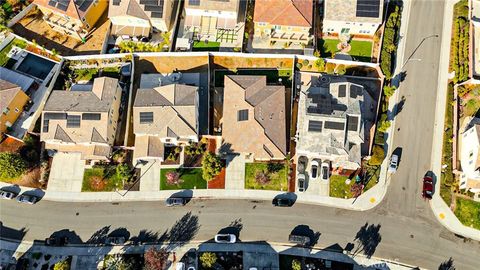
(441, 210)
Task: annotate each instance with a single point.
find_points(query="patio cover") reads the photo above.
(226, 23)
(193, 20)
(16, 78)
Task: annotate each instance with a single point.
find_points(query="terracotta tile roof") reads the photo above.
(8, 91)
(284, 12)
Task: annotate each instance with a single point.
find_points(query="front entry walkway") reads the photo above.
(235, 173)
(150, 176)
(66, 173)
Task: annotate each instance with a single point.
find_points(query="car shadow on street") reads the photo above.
(186, 194)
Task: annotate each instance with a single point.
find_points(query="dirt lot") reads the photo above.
(228, 62)
(32, 27)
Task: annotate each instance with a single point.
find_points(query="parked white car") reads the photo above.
(225, 238)
(302, 185)
(314, 170)
(392, 167)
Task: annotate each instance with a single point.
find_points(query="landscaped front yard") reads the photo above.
(468, 212)
(266, 176)
(101, 179)
(360, 49)
(187, 179)
(210, 46)
(339, 189)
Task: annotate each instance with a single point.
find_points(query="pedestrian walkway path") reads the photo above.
(235, 172)
(150, 175)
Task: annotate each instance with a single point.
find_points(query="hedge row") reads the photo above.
(390, 38)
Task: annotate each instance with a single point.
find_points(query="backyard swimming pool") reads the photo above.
(36, 66)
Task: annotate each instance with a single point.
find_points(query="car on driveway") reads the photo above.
(314, 170)
(282, 202)
(325, 171)
(392, 167)
(7, 195)
(115, 240)
(175, 201)
(225, 238)
(28, 199)
(301, 182)
(427, 190)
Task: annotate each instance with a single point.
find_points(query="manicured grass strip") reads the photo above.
(360, 50)
(338, 188)
(468, 212)
(112, 182)
(3, 54)
(192, 178)
(202, 46)
(278, 179)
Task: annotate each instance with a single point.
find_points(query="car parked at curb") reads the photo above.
(7, 195)
(27, 199)
(392, 167)
(115, 240)
(225, 238)
(282, 202)
(427, 190)
(175, 201)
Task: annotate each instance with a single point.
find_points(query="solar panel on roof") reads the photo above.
(116, 2)
(334, 125)
(352, 123)
(315, 126)
(342, 90)
(91, 116)
(73, 121)
(368, 8)
(194, 2)
(156, 14)
(55, 116)
(146, 117)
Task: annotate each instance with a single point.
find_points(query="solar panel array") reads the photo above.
(146, 117)
(59, 4)
(320, 104)
(91, 116)
(73, 121)
(315, 126)
(368, 8)
(194, 2)
(116, 2)
(334, 125)
(48, 116)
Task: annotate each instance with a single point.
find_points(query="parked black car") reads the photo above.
(282, 202)
(56, 241)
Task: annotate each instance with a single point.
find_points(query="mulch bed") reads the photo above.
(212, 145)
(218, 182)
(193, 161)
(291, 184)
(10, 145)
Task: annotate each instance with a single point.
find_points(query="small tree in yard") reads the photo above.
(156, 259)
(296, 265)
(384, 125)
(208, 259)
(388, 91)
(330, 68)
(262, 178)
(173, 178)
(211, 166)
(378, 155)
(62, 265)
(123, 171)
(11, 165)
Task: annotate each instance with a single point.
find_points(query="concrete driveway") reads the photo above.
(66, 173)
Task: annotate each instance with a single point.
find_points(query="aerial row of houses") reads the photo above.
(217, 20)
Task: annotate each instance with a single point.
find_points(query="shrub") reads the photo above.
(274, 167)
(156, 259)
(299, 66)
(208, 259)
(262, 178)
(330, 68)
(341, 69)
(123, 171)
(173, 178)
(11, 165)
(388, 90)
(62, 265)
(296, 265)
(305, 62)
(384, 126)
(211, 166)
(378, 155)
(319, 64)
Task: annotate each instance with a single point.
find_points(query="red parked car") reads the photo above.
(427, 191)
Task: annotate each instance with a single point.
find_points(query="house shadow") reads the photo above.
(305, 230)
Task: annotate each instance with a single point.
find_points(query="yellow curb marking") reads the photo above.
(372, 200)
(442, 216)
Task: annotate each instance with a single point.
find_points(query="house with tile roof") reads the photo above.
(75, 18)
(469, 145)
(165, 114)
(335, 117)
(359, 18)
(285, 21)
(83, 119)
(140, 17)
(254, 117)
(12, 101)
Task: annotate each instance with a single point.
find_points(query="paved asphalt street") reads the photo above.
(409, 231)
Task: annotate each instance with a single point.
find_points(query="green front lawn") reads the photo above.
(338, 188)
(191, 179)
(468, 212)
(201, 46)
(86, 74)
(361, 50)
(110, 179)
(278, 178)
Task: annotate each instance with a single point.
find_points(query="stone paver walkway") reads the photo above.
(235, 173)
